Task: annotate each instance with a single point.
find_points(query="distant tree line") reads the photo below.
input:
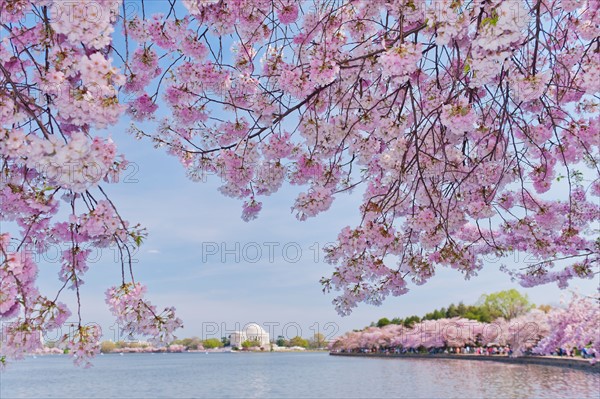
(109, 346)
(316, 342)
(506, 304)
(194, 343)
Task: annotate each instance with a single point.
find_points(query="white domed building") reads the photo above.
(250, 332)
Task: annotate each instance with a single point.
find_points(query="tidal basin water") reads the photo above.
(282, 375)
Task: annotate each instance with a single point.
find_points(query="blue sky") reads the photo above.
(214, 292)
(188, 222)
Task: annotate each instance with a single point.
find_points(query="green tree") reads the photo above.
(281, 341)
(250, 344)
(299, 341)
(479, 313)
(411, 321)
(317, 341)
(225, 341)
(383, 322)
(507, 304)
(212, 343)
(435, 315)
(452, 311)
(107, 346)
(439, 314)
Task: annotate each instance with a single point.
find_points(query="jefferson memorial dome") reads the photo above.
(250, 332)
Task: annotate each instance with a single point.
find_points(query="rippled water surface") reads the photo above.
(297, 375)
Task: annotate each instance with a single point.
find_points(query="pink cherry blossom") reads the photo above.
(469, 130)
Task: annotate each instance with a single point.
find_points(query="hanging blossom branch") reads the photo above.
(471, 127)
(58, 84)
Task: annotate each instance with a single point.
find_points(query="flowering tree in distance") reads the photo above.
(471, 128)
(574, 326)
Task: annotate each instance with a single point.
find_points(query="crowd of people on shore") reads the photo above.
(468, 350)
(584, 352)
(501, 350)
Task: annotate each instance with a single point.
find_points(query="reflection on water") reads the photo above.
(267, 375)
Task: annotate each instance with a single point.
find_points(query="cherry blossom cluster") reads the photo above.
(29, 314)
(400, 62)
(443, 155)
(575, 326)
(137, 316)
(58, 84)
(442, 333)
(83, 90)
(455, 117)
(76, 165)
(87, 22)
(470, 127)
(83, 344)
